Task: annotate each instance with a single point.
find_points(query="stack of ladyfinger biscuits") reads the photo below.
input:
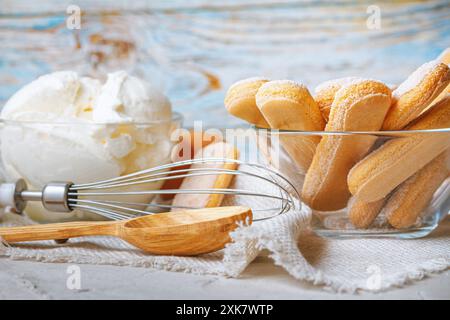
(366, 174)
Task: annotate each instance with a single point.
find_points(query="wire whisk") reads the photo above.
(110, 198)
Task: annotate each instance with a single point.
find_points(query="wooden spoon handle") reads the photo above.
(58, 231)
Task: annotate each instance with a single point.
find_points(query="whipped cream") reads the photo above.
(73, 128)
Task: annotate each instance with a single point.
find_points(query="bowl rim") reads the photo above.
(176, 117)
(341, 133)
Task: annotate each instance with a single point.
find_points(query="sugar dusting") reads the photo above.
(248, 80)
(335, 82)
(444, 57)
(283, 82)
(415, 78)
(342, 90)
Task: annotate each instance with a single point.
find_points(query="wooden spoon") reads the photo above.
(186, 233)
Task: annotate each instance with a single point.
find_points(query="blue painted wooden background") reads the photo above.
(193, 50)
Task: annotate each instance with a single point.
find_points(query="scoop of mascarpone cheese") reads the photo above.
(64, 127)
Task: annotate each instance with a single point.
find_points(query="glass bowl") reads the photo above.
(365, 184)
(81, 152)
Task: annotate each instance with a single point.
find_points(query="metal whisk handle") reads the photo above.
(54, 196)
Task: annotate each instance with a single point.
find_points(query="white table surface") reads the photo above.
(262, 280)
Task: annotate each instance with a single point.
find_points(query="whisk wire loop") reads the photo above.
(95, 196)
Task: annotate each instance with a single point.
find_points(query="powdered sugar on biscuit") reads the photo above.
(415, 78)
(343, 89)
(282, 82)
(335, 82)
(444, 57)
(248, 80)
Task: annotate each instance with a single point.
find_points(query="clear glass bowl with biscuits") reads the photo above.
(383, 184)
(366, 159)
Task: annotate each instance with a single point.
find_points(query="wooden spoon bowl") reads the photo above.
(189, 232)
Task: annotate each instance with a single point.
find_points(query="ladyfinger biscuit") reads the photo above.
(358, 106)
(288, 105)
(411, 198)
(415, 191)
(240, 101)
(216, 181)
(325, 92)
(444, 57)
(372, 209)
(190, 142)
(416, 94)
(362, 214)
(387, 167)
